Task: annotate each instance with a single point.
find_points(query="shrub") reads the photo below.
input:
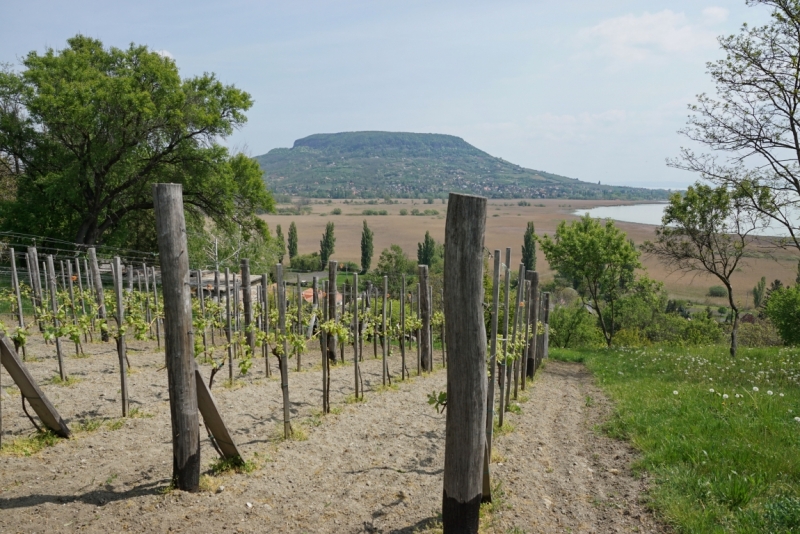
(573, 327)
(306, 262)
(630, 337)
(349, 266)
(336, 211)
(783, 309)
(403, 211)
(717, 291)
(762, 333)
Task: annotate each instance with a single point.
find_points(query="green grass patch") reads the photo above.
(719, 435)
(30, 445)
(57, 381)
(237, 465)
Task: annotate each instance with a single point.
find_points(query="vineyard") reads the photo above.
(347, 382)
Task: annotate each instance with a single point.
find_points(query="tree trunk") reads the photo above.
(465, 441)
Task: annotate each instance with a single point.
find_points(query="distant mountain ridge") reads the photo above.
(401, 164)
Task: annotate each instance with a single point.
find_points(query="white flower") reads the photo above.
(711, 390)
(769, 392)
(675, 392)
(737, 395)
(724, 395)
(797, 419)
(755, 388)
(780, 394)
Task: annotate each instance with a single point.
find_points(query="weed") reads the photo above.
(507, 428)
(514, 408)
(236, 384)
(57, 381)
(136, 413)
(225, 465)
(498, 458)
(388, 387)
(589, 401)
(352, 399)
(116, 424)
(111, 479)
(336, 410)
(209, 483)
(30, 445)
(89, 425)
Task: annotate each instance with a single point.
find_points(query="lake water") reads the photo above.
(652, 214)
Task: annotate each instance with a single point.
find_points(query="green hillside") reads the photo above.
(377, 164)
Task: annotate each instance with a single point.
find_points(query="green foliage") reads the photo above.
(211, 246)
(394, 263)
(292, 240)
(411, 165)
(426, 250)
(717, 291)
(573, 326)
(326, 245)
(405, 212)
(783, 309)
(717, 438)
(529, 247)
(306, 262)
(336, 211)
(95, 127)
(758, 292)
(438, 399)
(366, 248)
(281, 242)
(600, 259)
(374, 212)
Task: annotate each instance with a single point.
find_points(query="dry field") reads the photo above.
(505, 227)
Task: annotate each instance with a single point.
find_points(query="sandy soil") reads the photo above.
(505, 227)
(375, 466)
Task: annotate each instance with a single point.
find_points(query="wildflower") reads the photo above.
(755, 389)
(797, 419)
(711, 390)
(675, 392)
(724, 395)
(737, 395)
(780, 394)
(769, 392)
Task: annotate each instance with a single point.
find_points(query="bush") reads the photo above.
(630, 337)
(762, 333)
(717, 291)
(403, 211)
(573, 327)
(306, 262)
(349, 266)
(336, 211)
(783, 309)
(374, 212)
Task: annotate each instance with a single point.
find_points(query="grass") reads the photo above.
(220, 466)
(30, 445)
(718, 435)
(57, 381)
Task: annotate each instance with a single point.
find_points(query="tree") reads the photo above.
(529, 247)
(758, 292)
(281, 243)
(600, 258)
(783, 309)
(394, 263)
(326, 245)
(87, 130)
(426, 250)
(366, 247)
(752, 124)
(292, 240)
(705, 230)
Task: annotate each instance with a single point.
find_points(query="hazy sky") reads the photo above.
(589, 89)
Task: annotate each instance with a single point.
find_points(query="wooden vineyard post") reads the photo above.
(147, 315)
(155, 305)
(534, 300)
(465, 442)
(517, 300)
(444, 345)
(216, 296)
(80, 284)
(323, 340)
(300, 332)
(332, 264)
(72, 304)
(247, 301)
(314, 307)
(524, 357)
(287, 425)
(36, 281)
(403, 370)
(265, 321)
(129, 272)
(425, 315)
(202, 297)
(51, 276)
(546, 336)
(385, 339)
(18, 295)
(355, 339)
(487, 487)
(98, 290)
(121, 348)
(228, 333)
(502, 366)
(174, 260)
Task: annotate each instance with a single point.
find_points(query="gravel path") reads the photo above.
(374, 466)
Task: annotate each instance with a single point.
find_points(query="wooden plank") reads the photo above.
(465, 441)
(30, 390)
(212, 418)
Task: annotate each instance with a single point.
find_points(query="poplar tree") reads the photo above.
(292, 240)
(426, 250)
(366, 248)
(529, 247)
(326, 245)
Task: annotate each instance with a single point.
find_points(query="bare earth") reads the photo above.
(374, 467)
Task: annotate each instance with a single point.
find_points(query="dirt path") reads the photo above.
(373, 467)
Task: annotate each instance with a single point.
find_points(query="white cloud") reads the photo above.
(633, 38)
(715, 15)
(164, 53)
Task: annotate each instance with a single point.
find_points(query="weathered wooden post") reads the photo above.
(247, 301)
(201, 295)
(155, 305)
(312, 321)
(465, 441)
(487, 488)
(403, 370)
(36, 281)
(51, 275)
(531, 358)
(355, 339)
(72, 304)
(80, 285)
(98, 290)
(18, 294)
(517, 300)
(121, 347)
(265, 321)
(502, 367)
(425, 315)
(287, 425)
(228, 332)
(384, 337)
(323, 339)
(419, 333)
(546, 336)
(174, 259)
(331, 345)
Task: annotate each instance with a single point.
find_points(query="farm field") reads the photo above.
(505, 226)
(368, 467)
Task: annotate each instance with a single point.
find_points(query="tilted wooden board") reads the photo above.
(35, 397)
(210, 412)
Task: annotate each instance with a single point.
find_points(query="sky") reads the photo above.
(586, 89)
